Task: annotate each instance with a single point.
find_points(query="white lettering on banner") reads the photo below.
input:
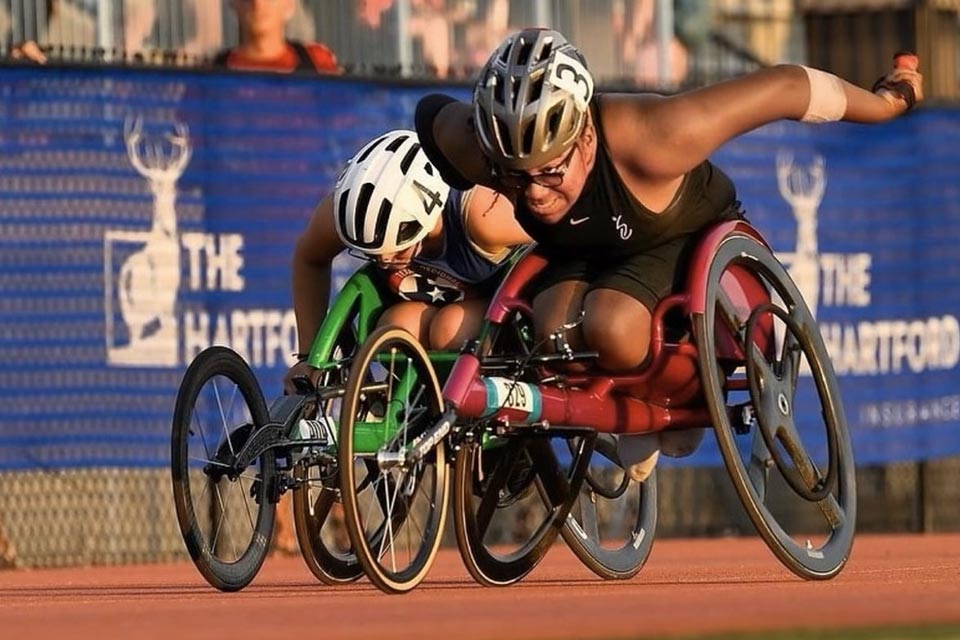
(893, 346)
(908, 413)
(214, 261)
(263, 337)
(846, 279)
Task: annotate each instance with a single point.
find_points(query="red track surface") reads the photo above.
(688, 586)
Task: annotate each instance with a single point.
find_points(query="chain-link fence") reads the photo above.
(119, 516)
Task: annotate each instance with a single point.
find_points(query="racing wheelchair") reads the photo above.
(232, 457)
(751, 363)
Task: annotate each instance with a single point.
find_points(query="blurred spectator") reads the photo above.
(68, 25)
(371, 11)
(68, 30)
(301, 27)
(208, 29)
(431, 23)
(764, 25)
(636, 40)
(484, 35)
(4, 27)
(264, 45)
(139, 17)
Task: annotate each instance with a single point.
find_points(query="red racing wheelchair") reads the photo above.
(738, 350)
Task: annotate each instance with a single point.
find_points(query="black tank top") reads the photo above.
(607, 221)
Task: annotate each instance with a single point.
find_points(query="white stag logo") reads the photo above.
(803, 190)
(150, 277)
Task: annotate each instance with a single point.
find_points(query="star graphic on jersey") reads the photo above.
(420, 288)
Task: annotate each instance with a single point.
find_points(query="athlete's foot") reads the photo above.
(638, 454)
(679, 444)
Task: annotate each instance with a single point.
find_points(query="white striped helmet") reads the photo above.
(389, 196)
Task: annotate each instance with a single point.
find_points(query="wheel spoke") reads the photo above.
(833, 512)
(759, 467)
(203, 435)
(498, 480)
(727, 313)
(588, 514)
(788, 435)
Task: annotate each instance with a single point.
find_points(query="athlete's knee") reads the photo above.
(560, 305)
(452, 325)
(409, 317)
(619, 333)
(620, 354)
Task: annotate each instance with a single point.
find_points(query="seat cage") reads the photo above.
(665, 393)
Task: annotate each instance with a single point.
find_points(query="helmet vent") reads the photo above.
(525, 50)
(342, 210)
(409, 157)
(408, 231)
(397, 143)
(536, 88)
(554, 120)
(428, 168)
(503, 136)
(515, 90)
(528, 132)
(545, 52)
(383, 219)
(370, 149)
(363, 201)
(498, 91)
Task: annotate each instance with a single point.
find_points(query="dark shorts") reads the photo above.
(648, 277)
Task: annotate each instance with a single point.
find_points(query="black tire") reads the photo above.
(520, 485)
(321, 531)
(226, 516)
(317, 508)
(617, 546)
(812, 491)
(394, 513)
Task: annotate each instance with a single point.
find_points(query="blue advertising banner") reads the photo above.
(147, 215)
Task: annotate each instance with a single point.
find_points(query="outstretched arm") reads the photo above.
(677, 133)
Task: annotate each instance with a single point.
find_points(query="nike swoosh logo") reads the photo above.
(576, 221)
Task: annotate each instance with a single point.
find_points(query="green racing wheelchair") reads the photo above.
(232, 457)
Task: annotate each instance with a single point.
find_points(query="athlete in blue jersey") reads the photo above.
(442, 251)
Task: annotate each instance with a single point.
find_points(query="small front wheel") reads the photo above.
(225, 513)
(394, 507)
(612, 525)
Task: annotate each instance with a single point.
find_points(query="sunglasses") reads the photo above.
(552, 177)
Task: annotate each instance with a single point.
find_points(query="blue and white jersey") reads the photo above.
(461, 270)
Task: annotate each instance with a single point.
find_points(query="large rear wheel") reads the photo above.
(776, 408)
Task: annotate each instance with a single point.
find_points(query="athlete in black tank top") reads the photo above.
(608, 221)
(541, 139)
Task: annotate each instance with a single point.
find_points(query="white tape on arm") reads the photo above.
(828, 100)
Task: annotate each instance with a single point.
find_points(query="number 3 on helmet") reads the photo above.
(389, 196)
